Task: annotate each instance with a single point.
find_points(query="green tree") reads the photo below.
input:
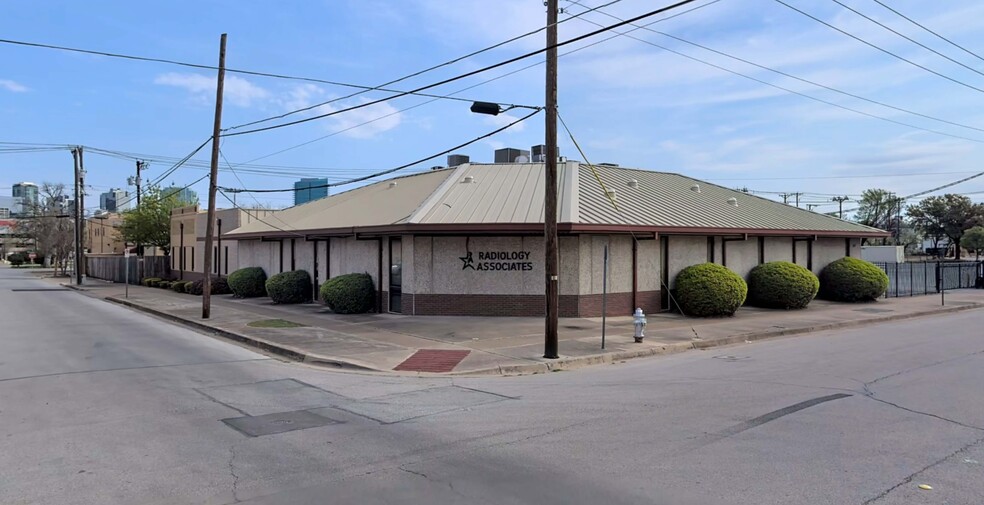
(878, 208)
(973, 240)
(150, 223)
(948, 215)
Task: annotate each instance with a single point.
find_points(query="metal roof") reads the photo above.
(383, 203)
(499, 195)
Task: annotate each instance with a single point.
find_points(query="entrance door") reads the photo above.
(396, 275)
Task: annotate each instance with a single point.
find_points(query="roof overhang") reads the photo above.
(537, 229)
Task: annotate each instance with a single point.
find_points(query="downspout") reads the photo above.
(218, 248)
(315, 294)
(181, 274)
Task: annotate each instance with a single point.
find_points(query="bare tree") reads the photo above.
(48, 222)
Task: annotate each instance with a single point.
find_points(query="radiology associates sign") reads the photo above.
(497, 261)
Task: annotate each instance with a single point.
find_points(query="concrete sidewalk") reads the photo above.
(500, 345)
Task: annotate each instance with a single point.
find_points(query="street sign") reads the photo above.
(126, 253)
(32, 256)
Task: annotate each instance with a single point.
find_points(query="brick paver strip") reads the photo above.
(432, 360)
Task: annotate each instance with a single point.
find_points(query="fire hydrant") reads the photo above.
(639, 321)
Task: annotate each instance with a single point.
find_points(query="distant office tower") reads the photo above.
(114, 200)
(184, 195)
(306, 190)
(25, 197)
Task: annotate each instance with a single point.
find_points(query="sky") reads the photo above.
(638, 103)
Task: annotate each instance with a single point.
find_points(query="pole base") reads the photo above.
(638, 340)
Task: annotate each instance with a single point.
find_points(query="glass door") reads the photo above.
(396, 275)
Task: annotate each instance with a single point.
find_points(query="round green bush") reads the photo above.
(781, 285)
(248, 282)
(349, 294)
(709, 289)
(289, 287)
(164, 284)
(147, 281)
(219, 287)
(852, 280)
(178, 286)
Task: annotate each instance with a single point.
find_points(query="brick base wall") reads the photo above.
(619, 304)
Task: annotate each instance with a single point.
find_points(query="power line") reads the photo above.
(391, 170)
(417, 73)
(466, 74)
(462, 90)
(886, 51)
(954, 44)
(798, 93)
(784, 74)
(906, 37)
(921, 174)
(232, 70)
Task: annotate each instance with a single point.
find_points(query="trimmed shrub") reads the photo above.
(219, 287)
(178, 286)
(290, 287)
(709, 289)
(248, 282)
(164, 284)
(852, 280)
(16, 259)
(148, 280)
(349, 294)
(781, 285)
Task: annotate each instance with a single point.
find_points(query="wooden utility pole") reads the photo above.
(550, 264)
(840, 204)
(210, 218)
(78, 221)
(80, 208)
(136, 181)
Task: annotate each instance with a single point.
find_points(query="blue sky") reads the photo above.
(627, 102)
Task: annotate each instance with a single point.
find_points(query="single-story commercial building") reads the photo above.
(188, 240)
(469, 240)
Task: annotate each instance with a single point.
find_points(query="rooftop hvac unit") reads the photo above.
(457, 159)
(540, 153)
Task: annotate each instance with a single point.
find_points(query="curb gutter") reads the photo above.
(570, 363)
(263, 344)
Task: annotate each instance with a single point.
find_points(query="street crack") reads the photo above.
(912, 476)
(232, 472)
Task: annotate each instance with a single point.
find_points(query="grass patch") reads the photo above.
(274, 323)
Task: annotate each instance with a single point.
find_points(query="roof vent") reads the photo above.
(611, 194)
(733, 201)
(633, 183)
(608, 164)
(392, 184)
(468, 179)
(695, 188)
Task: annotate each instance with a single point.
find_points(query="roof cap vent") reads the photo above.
(733, 201)
(611, 194)
(633, 183)
(392, 184)
(468, 179)
(695, 188)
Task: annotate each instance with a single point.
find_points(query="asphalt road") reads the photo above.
(102, 405)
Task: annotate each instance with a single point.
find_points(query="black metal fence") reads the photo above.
(922, 278)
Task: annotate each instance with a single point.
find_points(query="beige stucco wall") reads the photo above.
(438, 268)
(743, 255)
(826, 250)
(592, 261)
(686, 250)
(778, 249)
(351, 256)
(855, 248)
(648, 265)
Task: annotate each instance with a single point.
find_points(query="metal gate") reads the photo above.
(923, 278)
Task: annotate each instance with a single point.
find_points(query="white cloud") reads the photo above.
(13, 86)
(237, 91)
(366, 122)
(301, 96)
(503, 119)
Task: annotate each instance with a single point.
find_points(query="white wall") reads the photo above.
(743, 256)
(826, 250)
(778, 249)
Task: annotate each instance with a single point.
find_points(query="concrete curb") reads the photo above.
(749, 337)
(259, 343)
(562, 364)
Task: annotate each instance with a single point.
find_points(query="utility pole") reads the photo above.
(78, 223)
(80, 208)
(210, 218)
(840, 204)
(140, 165)
(785, 198)
(797, 195)
(550, 264)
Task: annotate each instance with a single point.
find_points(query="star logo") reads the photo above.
(468, 261)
